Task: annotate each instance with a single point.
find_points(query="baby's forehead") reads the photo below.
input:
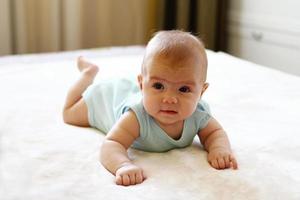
(181, 53)
(177, 57)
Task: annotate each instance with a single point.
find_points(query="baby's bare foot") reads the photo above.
(86, 67)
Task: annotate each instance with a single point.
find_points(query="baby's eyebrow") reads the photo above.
(155, 78)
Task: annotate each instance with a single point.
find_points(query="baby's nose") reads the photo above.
(170, 99)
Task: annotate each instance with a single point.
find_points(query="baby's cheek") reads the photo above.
(148, 105)
(189, 108)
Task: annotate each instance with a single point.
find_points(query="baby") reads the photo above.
(162, 112)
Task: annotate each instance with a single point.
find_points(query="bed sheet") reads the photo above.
(43, 158)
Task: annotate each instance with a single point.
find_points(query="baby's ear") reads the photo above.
(205, 86)
(140, 80)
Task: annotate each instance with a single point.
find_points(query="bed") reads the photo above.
(43, 158)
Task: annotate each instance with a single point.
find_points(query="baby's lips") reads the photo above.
(169, 111)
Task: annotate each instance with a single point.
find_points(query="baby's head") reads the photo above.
(178, 48)
(173, 75)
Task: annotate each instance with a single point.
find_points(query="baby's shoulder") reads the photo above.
(201, 116)
(203, 106)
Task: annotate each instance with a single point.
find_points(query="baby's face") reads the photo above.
(171, 93)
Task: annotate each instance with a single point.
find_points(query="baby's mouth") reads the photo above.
(169, 112)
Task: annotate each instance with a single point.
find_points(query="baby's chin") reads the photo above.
(168, 121)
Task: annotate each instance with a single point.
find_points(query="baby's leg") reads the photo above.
(75, 110)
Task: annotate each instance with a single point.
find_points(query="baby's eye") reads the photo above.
(158, 86)
(185, 89)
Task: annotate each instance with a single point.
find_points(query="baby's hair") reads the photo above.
(176, 45)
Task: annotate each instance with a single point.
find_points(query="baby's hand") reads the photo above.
(129, 174)
(222, 158)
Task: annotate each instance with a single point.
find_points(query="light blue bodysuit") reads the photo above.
(109, 99)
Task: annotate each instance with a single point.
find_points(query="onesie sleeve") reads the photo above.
(203, 114)
(141, 116)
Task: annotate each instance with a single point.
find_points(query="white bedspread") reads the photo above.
(43, 158)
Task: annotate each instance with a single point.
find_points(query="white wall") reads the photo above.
(266, 32)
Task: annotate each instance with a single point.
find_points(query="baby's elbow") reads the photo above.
(66, 117)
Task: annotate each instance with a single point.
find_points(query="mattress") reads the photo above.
(43, 158)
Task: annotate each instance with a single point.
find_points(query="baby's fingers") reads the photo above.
(119, 180)
(227, 161)
(123, 180)
(221, 163)
(130, 179)
(214, 164)
(139, 177)
(233, 162)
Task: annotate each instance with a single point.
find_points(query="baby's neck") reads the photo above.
(173, 130)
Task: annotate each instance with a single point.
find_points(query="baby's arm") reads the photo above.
(216, 142)
(114, 155)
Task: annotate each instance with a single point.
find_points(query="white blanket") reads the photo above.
(43, 158)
